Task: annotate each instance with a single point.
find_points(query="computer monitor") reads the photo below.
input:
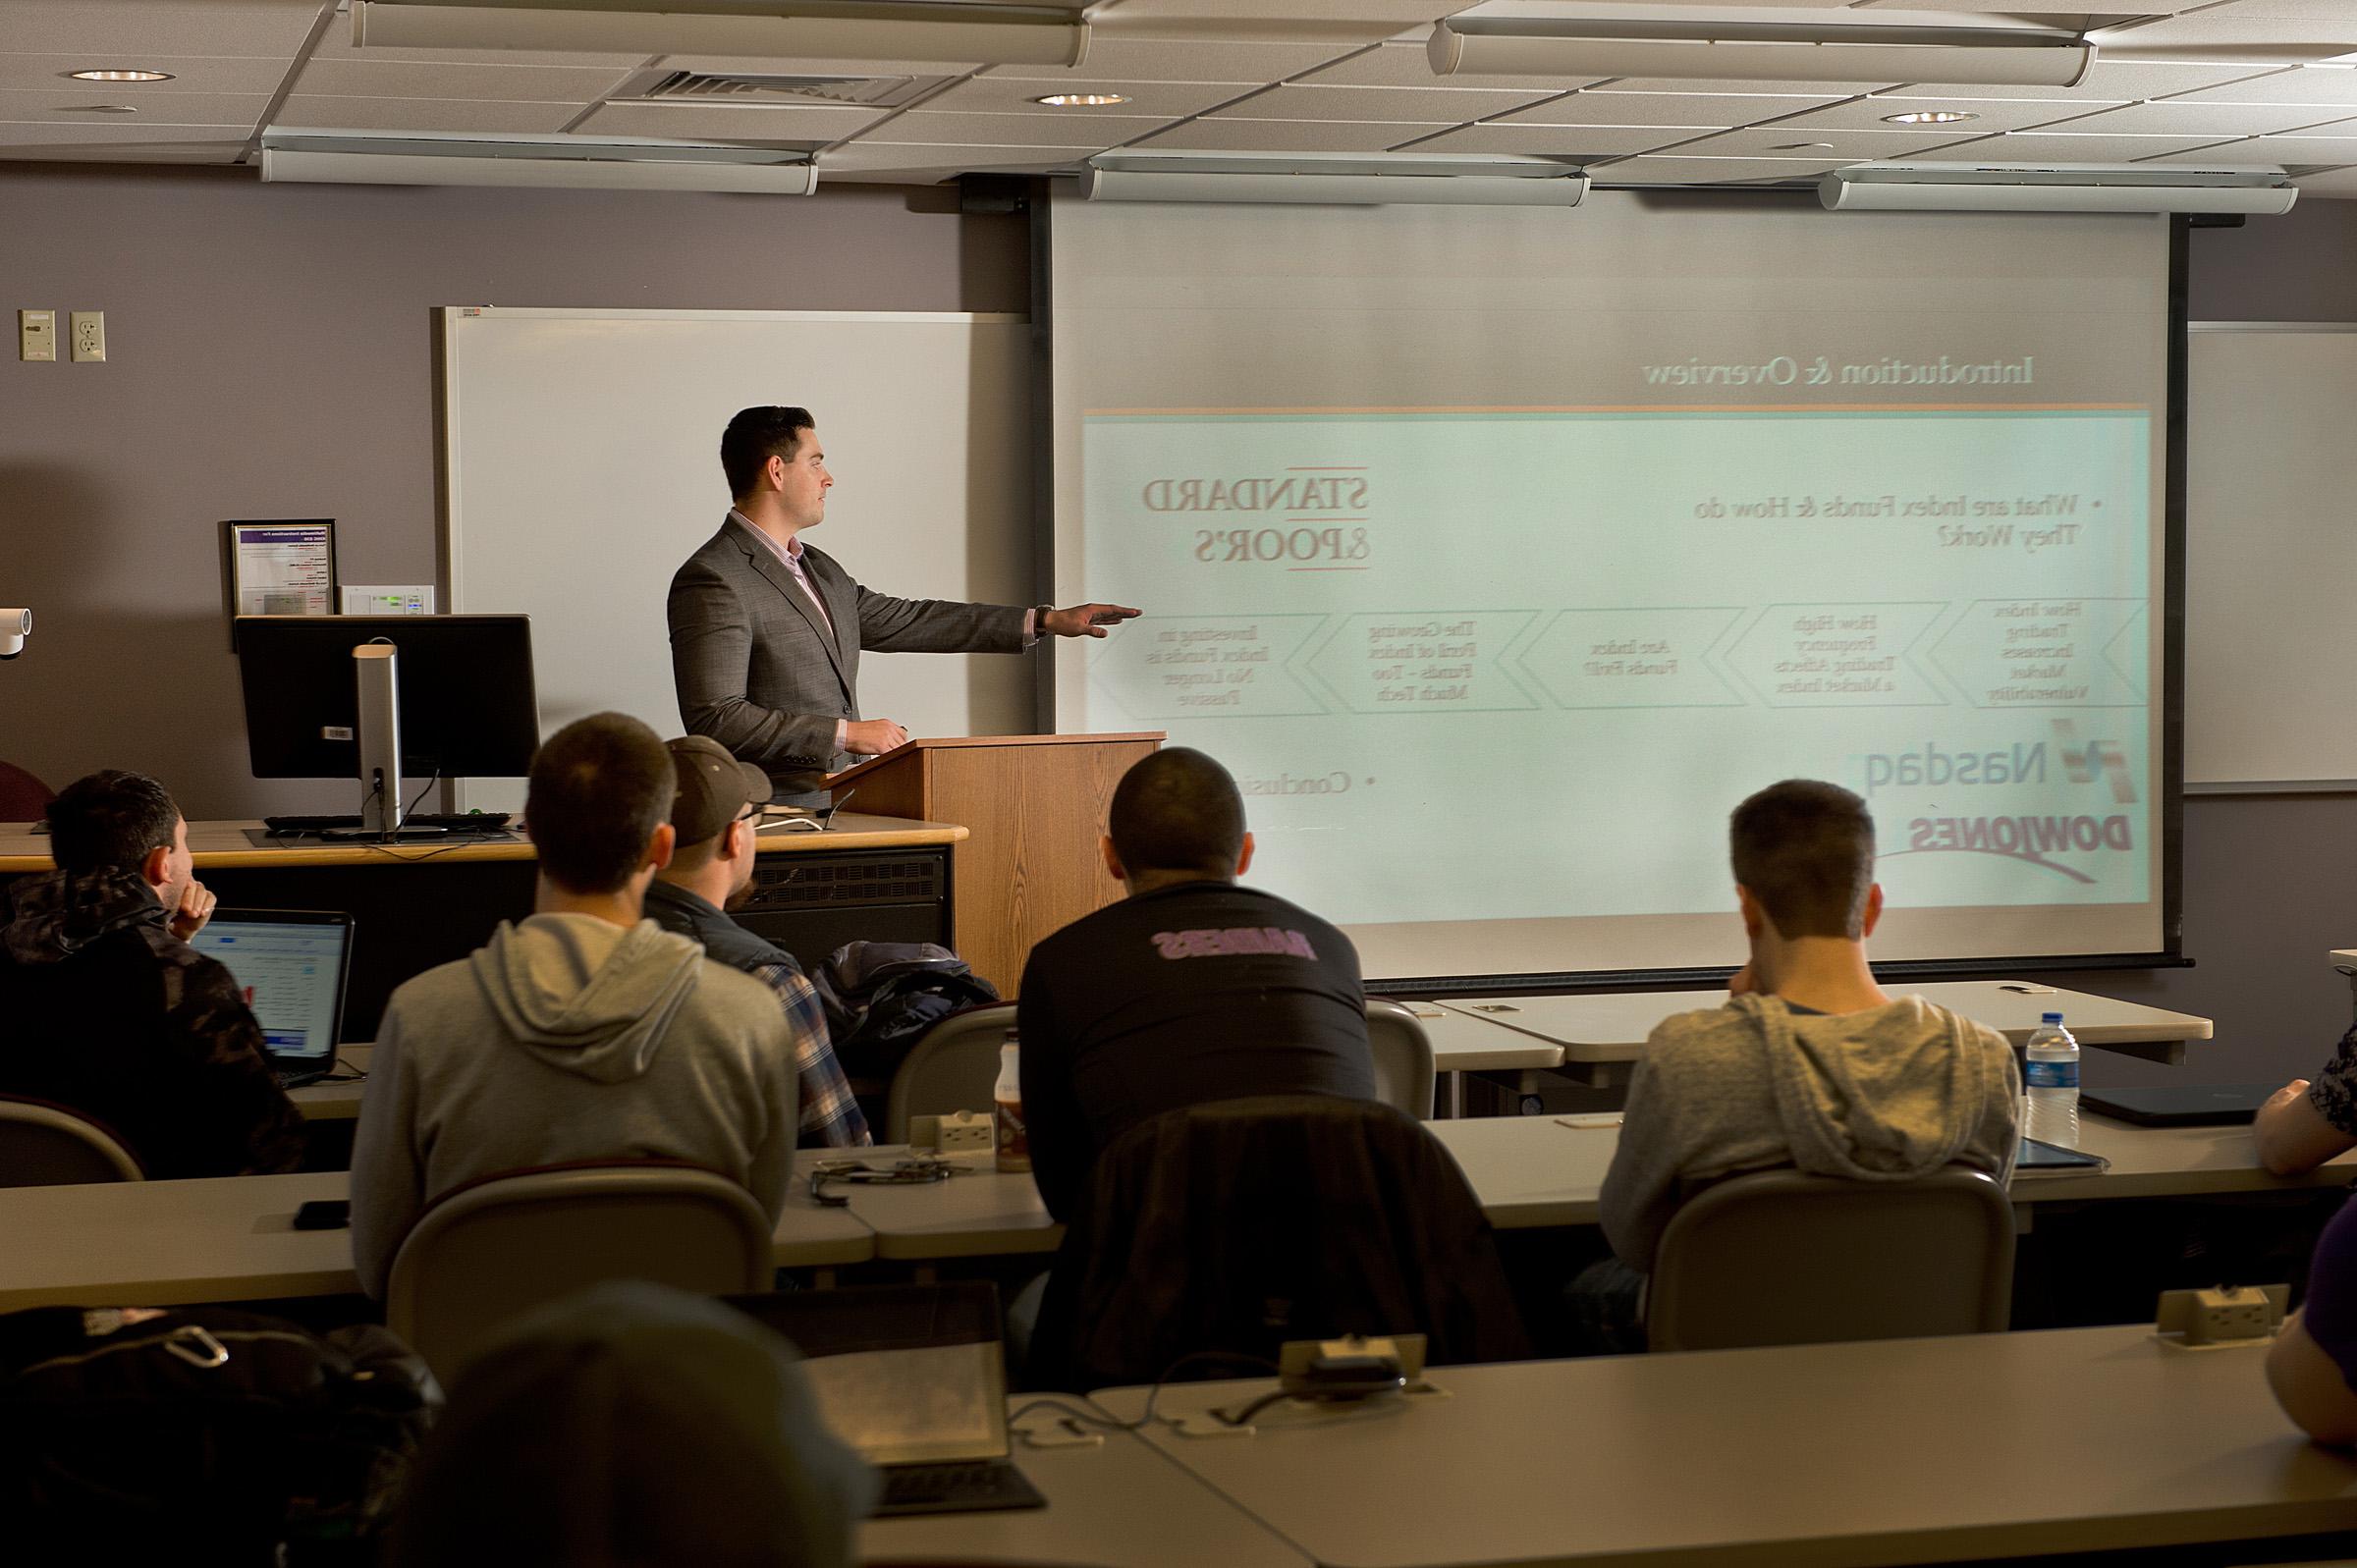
(468, 705)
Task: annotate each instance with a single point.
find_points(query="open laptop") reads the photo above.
(913, 1377)
(292, 965)
(2217, 1105)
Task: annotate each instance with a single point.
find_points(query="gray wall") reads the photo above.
(272, 356)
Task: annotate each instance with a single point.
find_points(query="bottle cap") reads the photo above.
(2050, 1017)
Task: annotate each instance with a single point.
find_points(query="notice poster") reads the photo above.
(282, 569)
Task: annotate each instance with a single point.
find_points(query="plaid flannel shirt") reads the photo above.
(831, 1117)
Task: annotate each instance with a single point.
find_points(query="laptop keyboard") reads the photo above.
(965, 1486)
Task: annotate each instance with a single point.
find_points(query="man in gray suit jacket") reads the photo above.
(766, 632)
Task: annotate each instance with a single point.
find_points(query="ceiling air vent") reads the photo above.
(756, 87)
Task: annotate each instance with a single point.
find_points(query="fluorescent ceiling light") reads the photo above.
(962, 32)
(1763, 44)
(2053, 187)
(120, 75)
(1332, 178)
(420, 158)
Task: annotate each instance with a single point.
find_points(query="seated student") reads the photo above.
(634, 1424)
(2303, 1124)
(1808, 1065)
(584, 1033)
(2313, 1364)
(107, 1010)
(715, 815)
(1192, 989)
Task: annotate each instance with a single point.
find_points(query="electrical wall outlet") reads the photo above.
(2223, 1315)
(37, 335)
(89, 335)
(966, 1132)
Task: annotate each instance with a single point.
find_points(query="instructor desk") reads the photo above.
(415, 906)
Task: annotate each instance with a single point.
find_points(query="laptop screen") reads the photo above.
(290, 965)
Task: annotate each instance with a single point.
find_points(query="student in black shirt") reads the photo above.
(1193, 988)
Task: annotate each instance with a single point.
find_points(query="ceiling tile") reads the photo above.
(2237, 25)
(1812, 91)
(1787, 141)
(2315, 84)
(2264, 150)
(178, 108)
(190, 73)
(1435, 105)
(1010, 96)
(2339, 183)
(1369, 21)
(928, 165)
(315, 110)
(2108, 81)
(1162, 60)
(1675, 170)
(1289, 135)
(2039, 147)
(803, 124)
(1710, 111)
(122, 32)
(1988, 114)
(2288, 10)
(393, 79)
(14, 137)
(2216, 119)
(1404, 65)
(2074, 13)
(336, 44)
(1581, 142)
(1045, 129)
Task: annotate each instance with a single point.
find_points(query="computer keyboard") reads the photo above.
(955, 1486)
(449, 822)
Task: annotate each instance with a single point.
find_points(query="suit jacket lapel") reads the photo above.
(774, 571)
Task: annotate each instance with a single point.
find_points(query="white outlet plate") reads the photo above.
(388, 599)
(37, 335)
(88, 337)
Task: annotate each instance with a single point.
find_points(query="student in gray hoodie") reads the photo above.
(585, 1032)
(1809, 1065)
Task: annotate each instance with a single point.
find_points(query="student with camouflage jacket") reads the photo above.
(106, 1010)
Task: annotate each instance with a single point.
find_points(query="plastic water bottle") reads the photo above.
(1013, 1138)
(2051, 1085)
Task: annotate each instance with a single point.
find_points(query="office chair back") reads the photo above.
(23, 797)
(486, 1252)
(953, 1067)
(1402, 1058)
(42, 1145)
(1782, 1258)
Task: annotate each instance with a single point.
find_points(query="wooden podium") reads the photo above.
(1034, 806)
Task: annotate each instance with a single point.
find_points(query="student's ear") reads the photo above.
(660, 844)
(774, 471)
(1113, 861)
(1873, 911)
(1243, 858)
(1755, 919)
(744, 839)
(155, 868)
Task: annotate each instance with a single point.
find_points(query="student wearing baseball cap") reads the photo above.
(714, 817)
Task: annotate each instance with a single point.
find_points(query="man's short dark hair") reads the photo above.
(1805, 850)
(599, 788)
(755, 436)
(110, 821)
(1178, 810)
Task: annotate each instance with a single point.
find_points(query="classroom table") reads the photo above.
(1113, 1501)
(337, 1097)
(1463, 1043)
(1889, 1451)
(1602, 1034)
(977, 1213)
(414, 905)
(232, 1238)
(1544, 1172)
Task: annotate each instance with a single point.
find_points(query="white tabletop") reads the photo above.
(1464, 1042)
(1892, 1451)
(1612, 1026)
(976, 1212)
(340, 1099)
(232, 1238)
(1534, 1172)
(1119, 1501)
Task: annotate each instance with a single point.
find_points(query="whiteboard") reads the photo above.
(581, 467)
(2271, 626)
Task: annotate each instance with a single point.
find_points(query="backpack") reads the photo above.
(881, 996)
(202, 1434)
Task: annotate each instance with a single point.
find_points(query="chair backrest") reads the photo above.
(486, 1252)
(23, 797)
(42, 1145)
(953, 1067)
(1781, 1258)
(1402, 1058)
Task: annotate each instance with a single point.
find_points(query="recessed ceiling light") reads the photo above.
(1928, 116)
(1802, 147)
(106, 108)
(120, 75)
(1081, 101)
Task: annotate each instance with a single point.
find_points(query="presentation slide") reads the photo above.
(1495, 627)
